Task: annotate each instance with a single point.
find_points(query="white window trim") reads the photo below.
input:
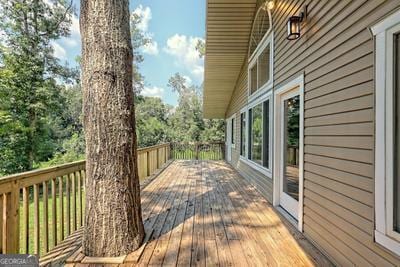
(384, 233)
(266, 171)
(267, 39)
(296, 83)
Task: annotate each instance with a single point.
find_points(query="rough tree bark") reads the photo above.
(113, 220)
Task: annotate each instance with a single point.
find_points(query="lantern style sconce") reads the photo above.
(294, 25)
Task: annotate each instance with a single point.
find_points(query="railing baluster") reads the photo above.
(25, 201)
(157, 158)
(54, 211)
(73, 185)
(5, 204)
(83, 172)
(1, 224)
(148, 163)
(68, 200)
(36, 225)
(45, 218)
(78, 174)
(61, 202)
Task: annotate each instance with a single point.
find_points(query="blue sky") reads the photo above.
(174, 26)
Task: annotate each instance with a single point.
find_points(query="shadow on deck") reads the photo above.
(205, 213)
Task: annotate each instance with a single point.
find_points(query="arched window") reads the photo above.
(260, 53)
(261, 27)
(258, 119)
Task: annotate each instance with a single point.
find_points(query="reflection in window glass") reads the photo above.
(256, 134)
(265, 146)
(263, 67)
(291, 149)
(396, 176)
(253, 78)
(242, 133)
(258, 149)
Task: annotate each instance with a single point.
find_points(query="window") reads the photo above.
(387, 132)
(233, 131)
(242, 134)
(259, 134)
(253, 79)
(260, 54)
(260, 69)
(263, 67)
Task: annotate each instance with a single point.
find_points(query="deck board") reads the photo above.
(203, 213)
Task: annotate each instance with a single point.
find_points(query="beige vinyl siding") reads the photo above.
(336, 56)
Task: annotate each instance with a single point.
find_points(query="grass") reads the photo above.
(41, 222)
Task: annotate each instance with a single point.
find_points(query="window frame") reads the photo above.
(384, 32)
(253, 61)
(232, 125)
(266, 171)
(243, 112)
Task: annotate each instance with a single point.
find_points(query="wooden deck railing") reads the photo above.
(199, 151)
(40, 208)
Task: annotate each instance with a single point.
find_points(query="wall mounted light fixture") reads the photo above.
(294, 25)
(270, 5)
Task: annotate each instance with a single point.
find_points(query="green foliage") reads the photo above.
(30, 96)
(41, 100)
(157, 122)
(151, 121)
(139, 39)
(187, 120)
(293, 120)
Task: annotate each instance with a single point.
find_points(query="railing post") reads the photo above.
(197, 150)
(11, 220)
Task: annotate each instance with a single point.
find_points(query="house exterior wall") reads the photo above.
(336, 56)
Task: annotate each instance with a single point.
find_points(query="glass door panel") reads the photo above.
(290, 133)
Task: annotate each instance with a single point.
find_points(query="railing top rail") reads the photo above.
(43, 171)
(58, 170)
(149, 148)
(200, 143)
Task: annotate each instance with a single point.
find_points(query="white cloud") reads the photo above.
(151, 48)
(145, 14)
(59, 51)
(75, 37)
(153, 91)
(183, 48)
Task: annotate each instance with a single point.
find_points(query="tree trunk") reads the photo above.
(113, 220)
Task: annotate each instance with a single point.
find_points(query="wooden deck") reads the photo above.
(204, 213)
